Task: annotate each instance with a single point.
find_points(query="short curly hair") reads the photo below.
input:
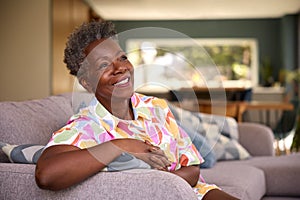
(80, 38)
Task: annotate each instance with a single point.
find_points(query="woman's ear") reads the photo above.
(85, 84)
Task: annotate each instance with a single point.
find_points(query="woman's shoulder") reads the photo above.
(150, 100)
(83, 116)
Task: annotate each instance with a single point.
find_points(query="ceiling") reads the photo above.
(192, 9)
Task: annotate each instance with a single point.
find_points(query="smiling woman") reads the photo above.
(117, 122)
(108, 74)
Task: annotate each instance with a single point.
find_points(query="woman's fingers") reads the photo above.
(157, 164)
(162, 157)
(161, 161)
(156, 161)
(152, 148)
(153, 155)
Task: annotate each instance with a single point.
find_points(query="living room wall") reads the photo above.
(276, 37)
(24, 49)
(66, 15)
(28, 71)
(33, 36)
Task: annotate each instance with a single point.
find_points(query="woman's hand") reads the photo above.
(157, 157)
(145, 151)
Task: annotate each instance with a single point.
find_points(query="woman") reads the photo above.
(118, 121)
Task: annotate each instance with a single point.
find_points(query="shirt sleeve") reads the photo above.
(78, 132)
(188, 154)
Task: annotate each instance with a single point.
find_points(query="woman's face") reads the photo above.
(109, 73)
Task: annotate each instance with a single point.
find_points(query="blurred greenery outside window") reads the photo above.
(233, 59)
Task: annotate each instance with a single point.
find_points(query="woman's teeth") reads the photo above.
(122, 82)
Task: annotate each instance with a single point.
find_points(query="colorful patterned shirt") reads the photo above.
(153, 121)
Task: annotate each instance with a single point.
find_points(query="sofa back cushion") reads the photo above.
(33, 122)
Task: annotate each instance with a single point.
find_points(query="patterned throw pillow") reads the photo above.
(125, 162)
(30, 153)
(225, 148)
(220, 132)
(25, 153)
(227, 126)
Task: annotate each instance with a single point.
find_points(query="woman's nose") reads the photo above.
(120, 67)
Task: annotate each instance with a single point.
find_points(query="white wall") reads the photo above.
(25, 49)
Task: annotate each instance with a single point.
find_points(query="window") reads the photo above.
(186, 62)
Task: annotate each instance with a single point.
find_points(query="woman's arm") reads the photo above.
(62, 166)
(189, 173)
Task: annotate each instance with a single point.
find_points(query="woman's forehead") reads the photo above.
(103, 48)
(104, 43)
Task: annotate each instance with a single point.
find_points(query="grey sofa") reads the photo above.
(264, 176)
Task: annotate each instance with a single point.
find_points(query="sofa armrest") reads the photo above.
(256, 138)
(18, 182)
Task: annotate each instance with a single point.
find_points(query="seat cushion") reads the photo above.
(280, 198)
(281, 172)
(244, 182)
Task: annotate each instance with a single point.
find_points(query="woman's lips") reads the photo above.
(122, 82)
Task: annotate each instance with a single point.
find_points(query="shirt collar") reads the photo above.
(140, 109)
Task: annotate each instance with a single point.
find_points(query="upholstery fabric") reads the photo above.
(139, 185)
(246, 182)
(220, 132)
(279, 198)
(225, 148)
(32, 122)
(256, 138)
(281, 173)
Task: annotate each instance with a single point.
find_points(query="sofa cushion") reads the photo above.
(17, 182)
(32, 122)
(279, 198)
(24, 153)
(244, 182)
(227, 125)
(258, 139)
(225, 148)
(281, 172)
(220, 132)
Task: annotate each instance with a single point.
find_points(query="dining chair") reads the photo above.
(286, 126)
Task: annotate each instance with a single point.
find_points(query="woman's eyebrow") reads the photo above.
(119, 52)
(107, 58)
(101, 58)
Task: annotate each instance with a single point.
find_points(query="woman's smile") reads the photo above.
(122, 83)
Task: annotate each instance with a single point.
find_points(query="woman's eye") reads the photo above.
(103, 65)
(124, 57)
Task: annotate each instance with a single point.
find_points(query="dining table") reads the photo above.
(236, 109)
(266, 106)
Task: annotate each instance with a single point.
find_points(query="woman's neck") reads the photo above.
(122, 111)
(120, 108)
